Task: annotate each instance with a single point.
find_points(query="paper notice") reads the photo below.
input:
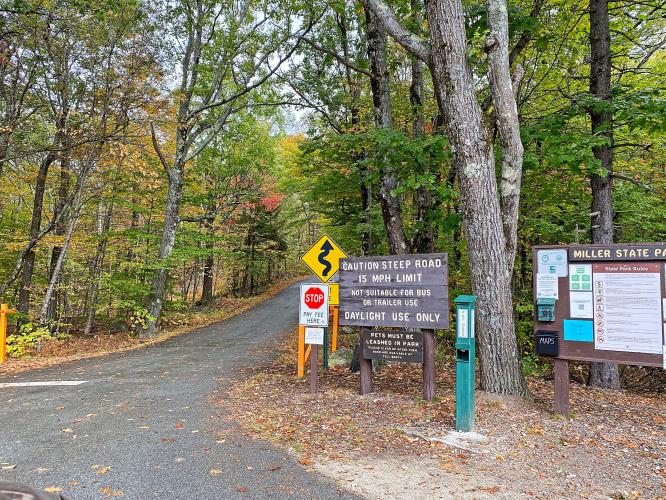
(314, 335)
(627, 308)
(580, 277)
(462, 323)
(581, 305)
(552, 261)
(546, 285)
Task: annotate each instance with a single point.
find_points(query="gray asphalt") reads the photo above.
(148, 416)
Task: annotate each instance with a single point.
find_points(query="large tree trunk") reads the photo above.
(381, 99)
(604, 375)
(475, 165)
(424, 238)
(35, 225)
(508, 125)
(167, 243)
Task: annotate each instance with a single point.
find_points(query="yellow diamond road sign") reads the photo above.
(324, 258)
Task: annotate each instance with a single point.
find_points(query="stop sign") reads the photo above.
(314, 297)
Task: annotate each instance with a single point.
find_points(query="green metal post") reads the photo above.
(325, 346)
(465, 365)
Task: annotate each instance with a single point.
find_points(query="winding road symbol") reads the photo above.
(323, 258)
(326, 248)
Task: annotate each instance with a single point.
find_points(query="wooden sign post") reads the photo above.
(405, 291)
(313, 320)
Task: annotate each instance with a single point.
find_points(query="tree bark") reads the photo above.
(103, 225)
(35, 225)
(381, 99)
(167, 243)
(508, 125)
(604, 375)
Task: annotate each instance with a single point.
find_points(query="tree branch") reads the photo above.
(409, 41)
(157, 148)
(337, 56)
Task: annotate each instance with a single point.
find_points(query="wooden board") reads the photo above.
(392, 345)
(591, 254)
(408, 291)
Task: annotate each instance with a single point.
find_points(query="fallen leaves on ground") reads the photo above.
(89, 346)
(614, 444)
(110, 492)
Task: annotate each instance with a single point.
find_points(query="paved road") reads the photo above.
(147, 416)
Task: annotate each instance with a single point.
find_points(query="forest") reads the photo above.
(158, 156)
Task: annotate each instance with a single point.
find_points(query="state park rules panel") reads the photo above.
(602, 302)
(408, 291)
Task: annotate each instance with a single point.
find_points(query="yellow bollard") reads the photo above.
(334, 342)
(301, 352)
(4, 311)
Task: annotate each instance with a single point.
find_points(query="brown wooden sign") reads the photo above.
(600, 303)
(610, 301)
(408, 291)
(619, 252)
(393, 345)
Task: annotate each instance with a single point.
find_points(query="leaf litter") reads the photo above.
(613, 446)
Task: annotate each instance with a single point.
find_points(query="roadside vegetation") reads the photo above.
(160, 158)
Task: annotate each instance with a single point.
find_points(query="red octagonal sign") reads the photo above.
(314, 298)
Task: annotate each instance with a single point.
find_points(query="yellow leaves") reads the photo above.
(215, 472)
(53, 489)
(68, 430)
(536, 430)
(7, 466)
(109, 492)
(103, 470)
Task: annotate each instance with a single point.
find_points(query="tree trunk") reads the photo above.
(424, 238)
(381, 99)
(167, 243)
(103, 225)
(63, 192)
(207, 296)
(475, 165)
(604, 375)
(508, 125)
(55, 275)
(35, 225)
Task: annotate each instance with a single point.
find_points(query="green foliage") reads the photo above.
(29, 338)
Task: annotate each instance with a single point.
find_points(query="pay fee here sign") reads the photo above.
(313, 305)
